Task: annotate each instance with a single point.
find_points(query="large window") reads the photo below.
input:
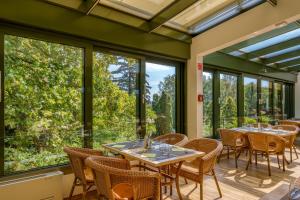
(208, 104)
(160, 93)
(114, 98)
(237, 99)
(43, 102)
(57, 94)
(250, 100)
(228, 101)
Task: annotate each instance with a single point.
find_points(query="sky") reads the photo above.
(156, 74)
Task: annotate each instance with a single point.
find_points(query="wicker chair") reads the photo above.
(82, 175)
(172, 138)
(290, 138)
(289, 122)
(235, 141)
(196, 169)
(109, 172)
(266, 144)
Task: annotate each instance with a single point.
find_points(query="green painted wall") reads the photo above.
(39, 14)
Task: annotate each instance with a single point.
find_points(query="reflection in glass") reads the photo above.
(208, 104)
(250, 100)
(266, 102)
(278, 106)
(228, 101)
(160, 99)
(114, 98)
(43, 102)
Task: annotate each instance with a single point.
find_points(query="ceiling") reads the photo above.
(279, 48)
(177, 19)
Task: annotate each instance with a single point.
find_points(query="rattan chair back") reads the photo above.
(172, 138)
(77, 156)
(109, 172)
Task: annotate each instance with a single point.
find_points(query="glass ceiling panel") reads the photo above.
(288, 59)
(272, 41)
(142, 8)
(199, 11)
(277, 53)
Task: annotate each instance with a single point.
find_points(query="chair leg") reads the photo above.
(72, 189)
(291, 154)
(217, 183)
(84, 191)
(250, 158)
(295, 149)
(283, 161)
(201, 189)
(219, 157)
(269, 167)
(185, 180)
(256, 158)
(235, 158)
(227, 152)
(278, 161)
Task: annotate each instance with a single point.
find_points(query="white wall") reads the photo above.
(256, 21)
(297, 98)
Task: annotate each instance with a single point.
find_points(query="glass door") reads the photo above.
(250, 100)
(115, 94)
(278, 97)
(160, 98)
(266, 104)
(228, 101)
(208, 104)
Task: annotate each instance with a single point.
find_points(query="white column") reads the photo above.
(194, 88)
(297, 97)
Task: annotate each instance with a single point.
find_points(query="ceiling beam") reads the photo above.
(274, 48)
(113, 15)
(225, 61)
(273, 2)
(289, 63)
(282, 57)
(263, 37)
(168, 13)
(91, 4)
(295, 68)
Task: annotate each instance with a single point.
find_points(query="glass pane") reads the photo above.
(160, 98)
(266, 102)
(144, 8)
(278, 100)
(114, 98)
(208, 104)
(43, 102)
(199, 11)
(250, 100)
(272, 41)
(228, 101)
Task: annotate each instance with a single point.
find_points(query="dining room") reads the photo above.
(152, 99)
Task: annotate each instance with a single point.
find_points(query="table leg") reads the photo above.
(161, 196)
(177, 180)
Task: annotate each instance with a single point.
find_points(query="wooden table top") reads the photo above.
(160, 154)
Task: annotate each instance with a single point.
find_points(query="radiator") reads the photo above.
(46, 186)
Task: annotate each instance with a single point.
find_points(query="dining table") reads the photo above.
(159, 156)
(272, 131)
